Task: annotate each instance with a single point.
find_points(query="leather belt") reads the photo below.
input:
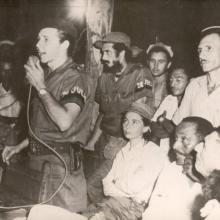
(37, 148)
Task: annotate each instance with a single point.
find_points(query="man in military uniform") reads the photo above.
(61, 108)
(121, 84)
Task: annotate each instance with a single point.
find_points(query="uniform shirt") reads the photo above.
(114, 97)
(134, 171)
(197, 102)
(68, 85)
(173, 197)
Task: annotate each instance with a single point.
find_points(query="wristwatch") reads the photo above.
(42, 91)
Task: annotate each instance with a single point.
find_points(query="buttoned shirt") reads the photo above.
(134, 171)
(67, 84)
(198, 102)
(173, 197)
(114, 97)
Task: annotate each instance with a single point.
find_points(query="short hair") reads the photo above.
(203, 127)
(63, 35)
(120, 47)
(208, 31)
(211, 186)
(181, 65)
(157, 49)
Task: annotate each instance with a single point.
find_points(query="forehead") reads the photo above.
(186, 128)
(107, 47)
(179, 73)
(210, 40)
(48, 32)
(133, 115)
(160, 55)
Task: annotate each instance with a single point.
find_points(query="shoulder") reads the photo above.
(197, 82)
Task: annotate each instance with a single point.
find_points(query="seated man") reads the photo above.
(174, 193)
(178, 80)
(131, 179)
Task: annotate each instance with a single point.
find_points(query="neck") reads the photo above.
(160, 79)
(124, 65)
(179, 99)
(214, 77)
(60, 60)
(134, 142)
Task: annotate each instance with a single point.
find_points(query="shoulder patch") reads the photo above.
(144, 84)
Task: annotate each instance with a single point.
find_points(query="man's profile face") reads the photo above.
(158, 63)
(178, 81)
(186, 138)
(48, 45)
(209, 52)
(110, 59)
(207, 157)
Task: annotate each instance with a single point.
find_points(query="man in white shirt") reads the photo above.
(174, 194)
(202, 94)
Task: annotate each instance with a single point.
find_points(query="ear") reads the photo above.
(146, 129)
(122, 55)
(168, 65)
(65, 44)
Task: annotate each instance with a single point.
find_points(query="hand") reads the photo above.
(35, 73)
(161, 117)
(8, 152)
(90, 146)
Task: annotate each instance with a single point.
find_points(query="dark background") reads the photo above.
(175, 22)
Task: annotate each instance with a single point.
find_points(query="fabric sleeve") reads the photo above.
(144, 84)
(109, 187)
(73, 91)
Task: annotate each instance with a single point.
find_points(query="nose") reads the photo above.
(38, 44)
(198, 147)
(177, 144)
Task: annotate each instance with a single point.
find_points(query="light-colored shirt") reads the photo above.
(134, 171)
(173, 196)
(170, 105)
(197, 102)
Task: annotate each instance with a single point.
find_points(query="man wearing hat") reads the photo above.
(159, 58)
(121, 83)
(61, 108)
(202, 94)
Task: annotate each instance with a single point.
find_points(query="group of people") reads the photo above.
(157, 134)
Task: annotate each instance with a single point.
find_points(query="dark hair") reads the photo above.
(146, 123)
(66, 36)
(211, 186)
(157, 49)
(120, 47)
(181, 65)
(203, 127)
(210, 31)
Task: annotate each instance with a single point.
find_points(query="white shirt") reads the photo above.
(170, 105)
(173, 196)
(197, 102)
(134, 171)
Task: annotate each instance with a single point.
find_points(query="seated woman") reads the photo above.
(129, 183)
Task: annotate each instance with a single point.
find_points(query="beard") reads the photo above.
(115, 68)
